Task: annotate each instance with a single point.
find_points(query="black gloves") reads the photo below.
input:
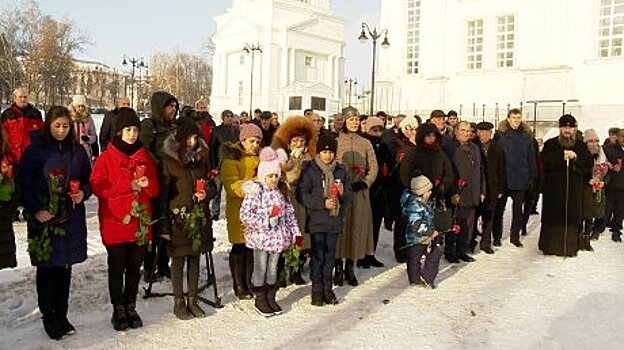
(85, 138)
(359, 186)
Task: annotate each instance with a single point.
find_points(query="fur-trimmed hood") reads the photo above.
(295, 125)
(503, 127)
(171, 147)
(231, 150)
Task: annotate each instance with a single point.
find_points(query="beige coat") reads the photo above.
(357, 238)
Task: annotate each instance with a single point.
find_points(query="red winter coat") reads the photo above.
(19, 123)
(111, 179)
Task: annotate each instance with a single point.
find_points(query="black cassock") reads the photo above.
(555, 238)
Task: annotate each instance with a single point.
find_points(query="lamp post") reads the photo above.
(135, 63)
(251, 49)
(351, 82)
(363, 38)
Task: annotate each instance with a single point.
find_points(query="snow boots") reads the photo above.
(329, 297)
(350, 274)
(584, 242)
(261, 303)
(317, 298)
(193, 281)
(271, 291)
(338, 273)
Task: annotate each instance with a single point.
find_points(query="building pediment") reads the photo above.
(307, 88)
(235, 25)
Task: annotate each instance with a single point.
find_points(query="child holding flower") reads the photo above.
(124, 178)
(270, 226)
(188, 227)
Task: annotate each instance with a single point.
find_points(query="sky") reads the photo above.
(141, 27)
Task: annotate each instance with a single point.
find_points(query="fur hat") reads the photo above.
(249, 130)
(79, 100)
(185, 127)
(327, 142)
(374, 121)
(126, 117)
(295, 126)
(420, 185)
(567, 120)
(270, 161)
(409, 122)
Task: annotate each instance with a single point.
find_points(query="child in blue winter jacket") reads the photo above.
(270, 227)
(420, 233)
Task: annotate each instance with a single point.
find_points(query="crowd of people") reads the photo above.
(295, 191)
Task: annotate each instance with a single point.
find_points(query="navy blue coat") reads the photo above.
(518, 155)
(310, 193)
(38, 161)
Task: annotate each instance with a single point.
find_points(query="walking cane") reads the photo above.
(567, 194)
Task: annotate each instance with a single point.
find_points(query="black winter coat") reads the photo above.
(519, 155)
(615, 153)
(220, 135)
(107, 130)
(467, 165)
(310, 193)
(494, 172)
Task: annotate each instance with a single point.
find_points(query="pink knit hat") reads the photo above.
(249, 130)
(270, 161)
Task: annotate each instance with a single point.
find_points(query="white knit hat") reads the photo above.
(79, 100)
(409, 122)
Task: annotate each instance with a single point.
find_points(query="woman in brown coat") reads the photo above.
(297, 136)
(358, 155)
(188, 226)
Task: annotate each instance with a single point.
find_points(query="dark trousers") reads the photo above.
(322, 262)
(614, 211)
(516, 215)
(487, 218)
(53, 291)
(124, 272)
(400, 225)
(162, 264)
(377, 207)
(415, 270)
(456, 245)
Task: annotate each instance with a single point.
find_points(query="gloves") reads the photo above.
(84, 138)
(359, 186)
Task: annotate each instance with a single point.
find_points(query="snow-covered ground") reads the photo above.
(514, 299)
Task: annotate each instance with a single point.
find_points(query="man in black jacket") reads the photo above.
(614, 206)
(264, 123)
(107, 130)
(226, 132)
(492, 156)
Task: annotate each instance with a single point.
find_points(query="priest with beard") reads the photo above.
(567, 165)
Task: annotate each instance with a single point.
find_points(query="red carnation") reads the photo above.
(456, 228)
(139, 172)
(200, 186)
(401, 154)
(461, 182)
(74, 186)
(335, 191)
(359, 170)
(299, 241)
(212, 174)
(436, 181)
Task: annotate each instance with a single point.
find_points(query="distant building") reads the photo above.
(463, 54)
(300, 65)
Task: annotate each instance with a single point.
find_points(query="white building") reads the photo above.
(301, 64)
(456, 54)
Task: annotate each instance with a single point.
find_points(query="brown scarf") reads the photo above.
(328, 180)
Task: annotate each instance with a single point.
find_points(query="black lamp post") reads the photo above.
(135, 63)
(363, 38)
(251, 49)
(351, 82)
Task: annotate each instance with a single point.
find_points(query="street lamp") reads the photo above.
(363, 38)
(351, 82)
(135, 63)
(251, 49)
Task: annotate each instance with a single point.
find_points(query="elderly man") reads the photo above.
(437, 118)
(264, 123)
(107, 130)
(567, 165)
(469, 191)
(515, 138)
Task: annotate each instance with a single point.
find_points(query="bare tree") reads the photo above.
(186, 76)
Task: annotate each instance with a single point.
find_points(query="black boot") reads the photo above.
(248, 269)
(350, 274)
(271, 291)
(363, 263)
(119, 319)
(373, 262)
(52, 327)
(180, 309)
(237, 266)
(595, 235)
(585, 239)
(297, 279)
(338, 273)
(615, 237)
(261, 303)
(134, 320)
(317, 299)
(329, 297)
(192, 278)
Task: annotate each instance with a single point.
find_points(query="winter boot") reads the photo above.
(615, 237)
(193, 281)
(297, 279)
(261, 303)
(52, 327)
(595, 235)
(350, 274)
(119, 319)
(249, 267)
(180, 309)
(271, 291)
(338, 273)
(363, 263)
(237, 261)
(134, 320)
(317, 299)
(373, 262)
(329, 297)
(587, 240)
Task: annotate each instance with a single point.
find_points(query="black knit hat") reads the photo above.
(185, 127)
(567, 120)
(326, 142)
(126, 117)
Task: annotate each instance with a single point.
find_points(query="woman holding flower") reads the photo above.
(358, 156)
(593, 192)
(188, 226)
(124, 180)
(57, 229)
(7, 204)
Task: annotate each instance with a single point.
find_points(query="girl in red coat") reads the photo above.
(124, 179)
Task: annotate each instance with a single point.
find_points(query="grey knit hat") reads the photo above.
(420, 185)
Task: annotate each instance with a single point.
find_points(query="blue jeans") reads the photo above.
(265, 268)
(215, 205)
